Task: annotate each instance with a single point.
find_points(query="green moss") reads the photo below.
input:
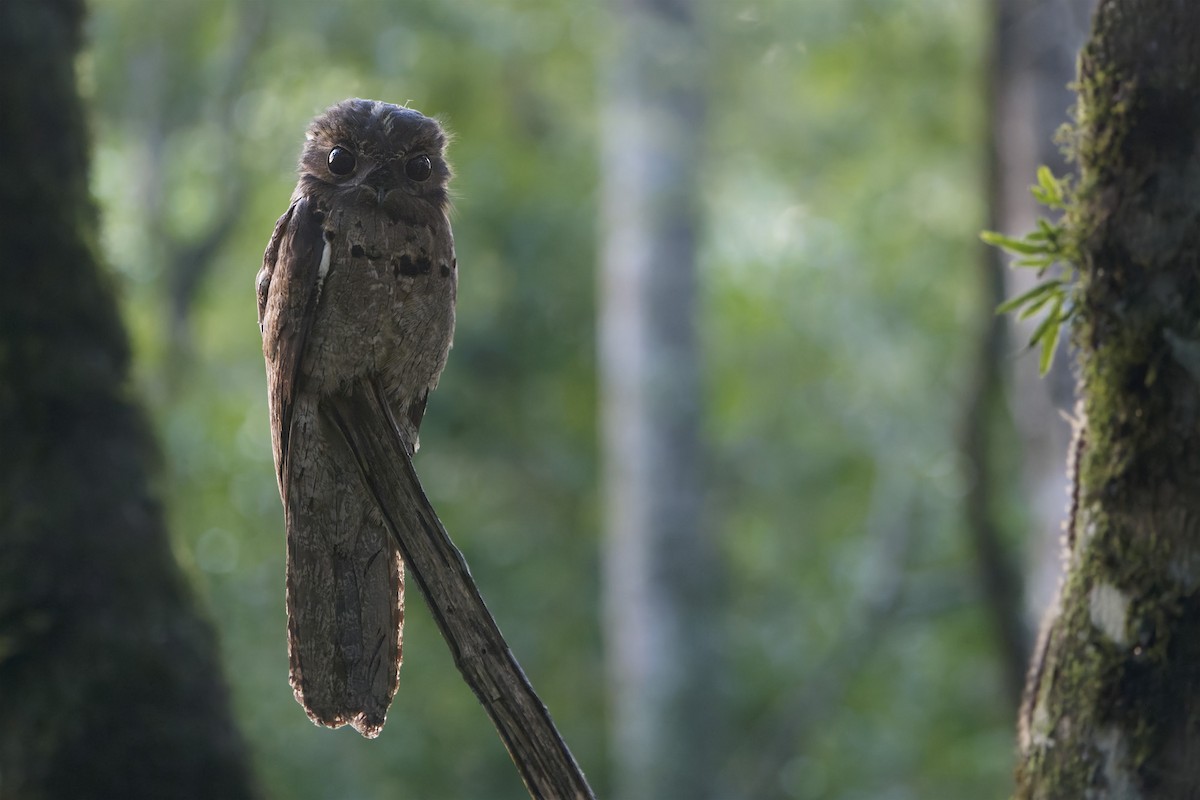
(1136, 223)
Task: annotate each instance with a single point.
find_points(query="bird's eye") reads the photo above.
(341, 161)
(419, 168)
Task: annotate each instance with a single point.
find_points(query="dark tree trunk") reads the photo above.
(109, 681)
(1112, 703)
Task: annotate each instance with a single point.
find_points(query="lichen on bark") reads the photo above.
(1113, 706)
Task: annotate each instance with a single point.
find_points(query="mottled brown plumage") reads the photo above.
(356, 289)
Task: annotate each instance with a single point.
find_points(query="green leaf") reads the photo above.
(1049, 323)
(1035, 262)
(1035, 306)
(1047, 232)
(1049, 243)
(1046, 179)
(1012, 245)
(1042, 290)
(1049, 190)
(1049, 345)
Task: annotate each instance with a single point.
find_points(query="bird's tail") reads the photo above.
(345, 583)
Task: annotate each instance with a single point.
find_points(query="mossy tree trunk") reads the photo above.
(1113, 703)
(109, 682)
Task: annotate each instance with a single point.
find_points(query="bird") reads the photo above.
(356, 294)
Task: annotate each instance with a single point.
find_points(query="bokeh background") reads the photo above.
(852, 151)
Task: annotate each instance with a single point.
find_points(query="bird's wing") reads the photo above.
(287, 303)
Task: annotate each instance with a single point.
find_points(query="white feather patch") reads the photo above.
(323, 269)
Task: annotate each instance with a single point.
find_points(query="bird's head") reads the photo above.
(376, 154)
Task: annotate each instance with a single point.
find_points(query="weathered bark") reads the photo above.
(1113, 697)
(660, 585)
(109, 682)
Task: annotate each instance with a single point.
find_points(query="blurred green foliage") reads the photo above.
(843, 194)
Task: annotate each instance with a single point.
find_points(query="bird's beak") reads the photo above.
(381, 182)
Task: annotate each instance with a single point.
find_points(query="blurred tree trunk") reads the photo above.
(660, 582)
(1037, 42)
(983, 417)
(1030, 66)
(1112, 709)
(109, 682)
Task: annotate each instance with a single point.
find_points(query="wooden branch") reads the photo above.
(480, 652)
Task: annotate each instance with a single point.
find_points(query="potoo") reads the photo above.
(356, 293)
